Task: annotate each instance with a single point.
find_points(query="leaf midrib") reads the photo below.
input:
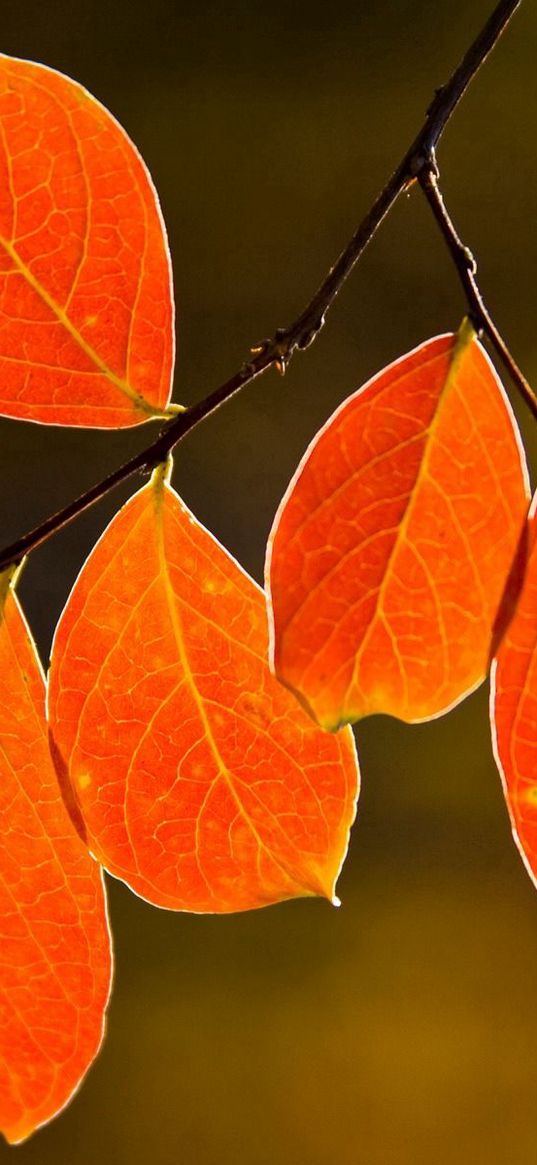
(122, 385)
(462, 343)
(177, 629)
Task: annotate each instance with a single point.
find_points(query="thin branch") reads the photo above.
(300, 334)
(444, 104)
(467, 270)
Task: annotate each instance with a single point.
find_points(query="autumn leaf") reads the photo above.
(86, 314)
(200, 780)
(513, 705)
(390, 550)
(55, 967)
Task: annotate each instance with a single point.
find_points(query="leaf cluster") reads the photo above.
(192, 736)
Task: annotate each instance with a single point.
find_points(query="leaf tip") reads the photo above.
(322, 882)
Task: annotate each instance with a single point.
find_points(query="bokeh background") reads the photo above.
(402, 1028)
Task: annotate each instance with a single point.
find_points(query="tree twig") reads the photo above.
(300, 334)
(467, 270)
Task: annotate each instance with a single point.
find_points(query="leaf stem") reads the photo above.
(415, 164)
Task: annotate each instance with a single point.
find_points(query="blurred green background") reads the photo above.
(403, 1027)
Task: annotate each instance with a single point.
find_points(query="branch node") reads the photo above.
(423, 164)
(418, 163)
(309, 335)
(248, 369)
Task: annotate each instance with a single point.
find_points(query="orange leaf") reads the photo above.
(513, 704)
(86, 315)
(201, 781)
(390, 550)
(55, 967)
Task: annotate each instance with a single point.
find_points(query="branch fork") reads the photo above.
(418, 165)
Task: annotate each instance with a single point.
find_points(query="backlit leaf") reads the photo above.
(201, 781)
(514, 711)
(55, 962)
(86, 316)
(390, 550)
